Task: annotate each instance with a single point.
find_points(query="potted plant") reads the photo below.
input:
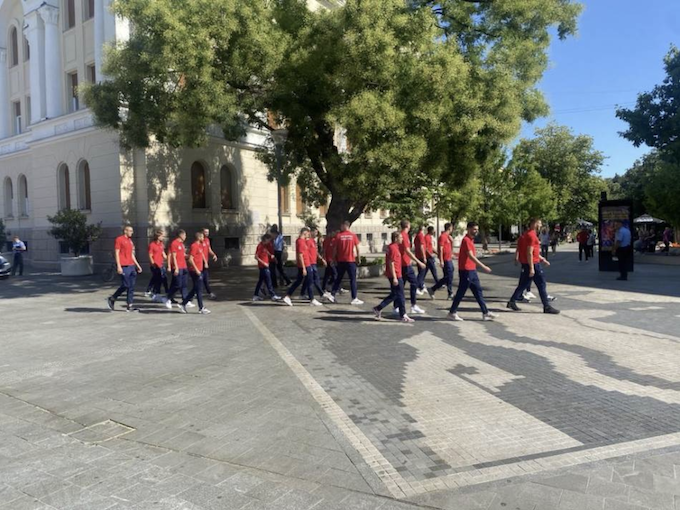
(370, 268)
(70, 227)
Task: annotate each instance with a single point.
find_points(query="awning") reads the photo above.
(646, 218)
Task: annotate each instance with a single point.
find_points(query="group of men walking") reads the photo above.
(180, 265)
(340, 252)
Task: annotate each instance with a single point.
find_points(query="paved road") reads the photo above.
(264, 406)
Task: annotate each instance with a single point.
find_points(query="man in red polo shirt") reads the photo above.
(127, 267)
(314, 257)
(346, 255)
(304, 263)
(467, 272)
(582, 238)
(529, 254)
(393, 268)
(331, 271)
(177, 265)
(209, 253)
(407, 272)
(264, 254)
(445, 253)
(196, 262)
(157, 258)
(430, 261)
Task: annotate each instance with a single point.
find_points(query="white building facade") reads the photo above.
(53, 157)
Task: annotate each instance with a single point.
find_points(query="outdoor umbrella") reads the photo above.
(584, 223)
(646, 218)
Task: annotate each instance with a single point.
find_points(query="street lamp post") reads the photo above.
(279, 136)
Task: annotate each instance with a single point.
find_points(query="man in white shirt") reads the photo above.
(18, 248)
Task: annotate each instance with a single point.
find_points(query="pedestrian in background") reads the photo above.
(177, 265)
(406, 270)
(667, 238)
(18, 249)
(197, 259)
(278, 274)
(582, 238)
(622, 249)
(265, 256)
(545, 242)
(207, 254)
(157, 264)
(445, 252)
(592, 238)
(393, 272)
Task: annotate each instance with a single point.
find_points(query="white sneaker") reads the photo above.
(168, 304)
(417, 309)
(343, 291)
(315, 302)
(182, 308)
(257, 298)
(529, 295)
(420, 292)
(395, 312)
(276, 298)
(551, 298)
(357, 302)
(148, 294)
(212, 296)
(191, 305)
(455, 317)
(377, 313)
(406, 319)
(489, 316)
(287, 301)
(330, 297)
(204, 311)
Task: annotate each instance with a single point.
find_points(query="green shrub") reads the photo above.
(70, 227)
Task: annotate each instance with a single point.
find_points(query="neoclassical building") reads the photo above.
(52, 157)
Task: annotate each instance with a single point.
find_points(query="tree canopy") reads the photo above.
(424, 92)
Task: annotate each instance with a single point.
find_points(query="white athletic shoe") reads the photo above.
(148, 294)
(212, 296)
(395, 312)
(417, 309)
(287, 301)
(551, 298)
(343, 291)
(377, 313)
(204, 311)
(276, 298)
(420, 292)
(168, 304)
(357, 302)
(257, 298)
(406, 319)
(330, 297)
(315, 302)
(182, 308)
(489, 316)
(191, 305)
(529, 295)
(455, 317)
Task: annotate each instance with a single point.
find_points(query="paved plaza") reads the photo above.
(262, 406)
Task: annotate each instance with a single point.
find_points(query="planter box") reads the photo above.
(77, 266)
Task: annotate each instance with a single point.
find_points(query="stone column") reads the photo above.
(53, 68)
(35, 34)
(99, 36)
(4, 96)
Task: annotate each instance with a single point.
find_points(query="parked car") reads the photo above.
(4, 267)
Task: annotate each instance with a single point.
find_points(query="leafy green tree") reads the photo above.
(423, 91)
(570, 164)
(662, 192)
(70, 226)
(633, 183)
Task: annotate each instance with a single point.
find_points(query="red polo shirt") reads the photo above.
(196, 252)
(313, 250)
(429, 245)
(301, 247)
(177, 247)
(126, 247)
(419, 244)
(531, 239)
(156, 249)
(405, 244)
(445, 244)
(393, 255)
(328, 247)
(467, 248)
(264, 252)
(345, 243)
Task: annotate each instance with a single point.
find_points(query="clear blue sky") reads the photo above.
(617, 53)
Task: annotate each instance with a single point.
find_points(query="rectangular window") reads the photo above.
(88, 7)
(232, 243)
(369, 238)
(91, 73)
(70, 18)
(16, 111)
(285, 200)
(28, 110)
(383, 236)
(74, 103)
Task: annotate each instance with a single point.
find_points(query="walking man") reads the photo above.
(331, 271)
(197, 258)
(467, 273)
(445, 253)
(157, 262)
(127, 267)
(177, 265)
(264, 257)
(545, 243)
(278, 245)
(393, 267)
(582, 238)
(18, 249)
(302, 257)
(421, 255)
(530, 258)
(208, 253)
(406, 270)
(314, 257)
(622, 249)
(430, 260)
(346, 255)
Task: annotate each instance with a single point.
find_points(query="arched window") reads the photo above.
(84, 195)
(64, 187)
(9, 198)
(198, 186)
(27, 50)
(24, 206)
(228, 187)
(13, 47)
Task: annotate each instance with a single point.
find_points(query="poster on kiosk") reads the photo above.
(611, 212)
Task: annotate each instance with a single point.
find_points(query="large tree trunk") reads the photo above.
(341, 209)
